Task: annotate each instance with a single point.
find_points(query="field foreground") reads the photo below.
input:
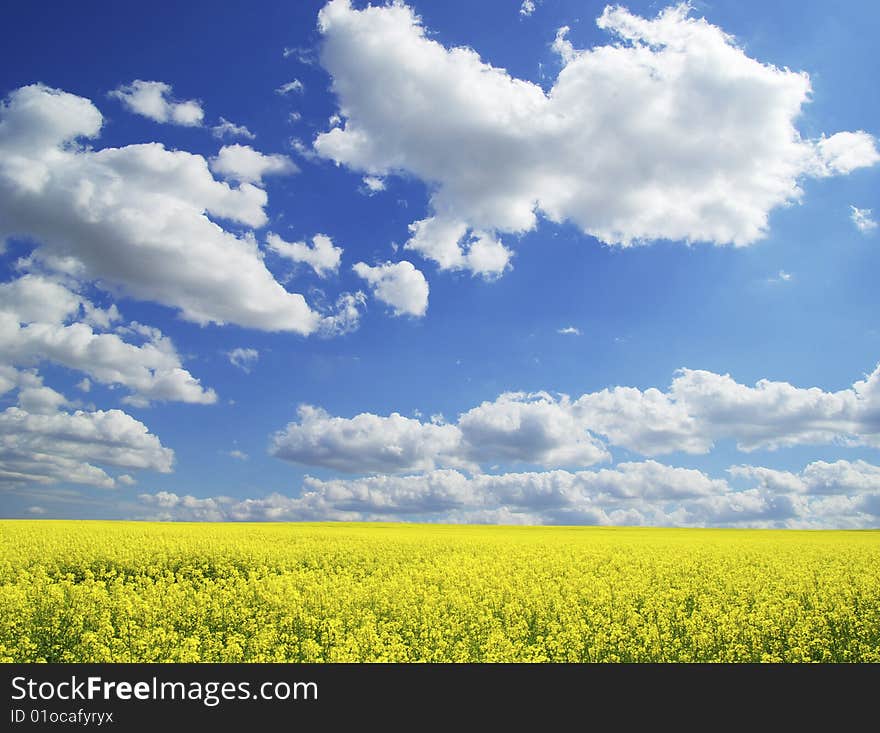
(144, 592)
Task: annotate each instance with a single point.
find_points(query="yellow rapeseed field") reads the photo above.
(146, 592)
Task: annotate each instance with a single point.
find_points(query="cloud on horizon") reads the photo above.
(646, 493)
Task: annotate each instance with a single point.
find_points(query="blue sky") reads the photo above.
(441, 262)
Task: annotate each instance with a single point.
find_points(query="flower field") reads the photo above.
(147, 592)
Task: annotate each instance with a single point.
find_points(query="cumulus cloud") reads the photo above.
(41, 443)
(153, 99)
(518, 427)
(32, 298)
(140, 217)
(670, 132)
(168, 506)
(322, 256)
(398, 284)
(698, 409)
(373, 184)
(243, 358)
(171, 506)
(863, 219)
(446, 241)
(534, 428)
(436, 493)
(702, 407)
(527, 8)
(818, 478)
(365, 443)
(39, 321)
(634, 493)
(569, 331)
(243, 163)
(225, 128)
(845, 152)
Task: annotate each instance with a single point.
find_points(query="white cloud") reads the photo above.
(699, 408)
(100, 317)
(672, 132)
(569, 331)
(41, 400)
(32, 298)
(136, 217)
(292, 86)
(225, 128)
(845, 152)
(168, 506)
(171, 506)
(345, 316)
(41, 443)
(374, 184)
(535, 428)
(365, 443)
(863, 219)
(303, 150)
(398, 284)
(447, 242)
(303, 55)
(9, 377)
(244, 359)
(817, 478)
(322, 256)
(702, 407)
(781, 482)
(548, 427)
(243, 163)
(432, 492)
(518, 427)
(562, 46)
(153, 99)
(527, 8)
(35, 315)
(238, 455)
(645, 493)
